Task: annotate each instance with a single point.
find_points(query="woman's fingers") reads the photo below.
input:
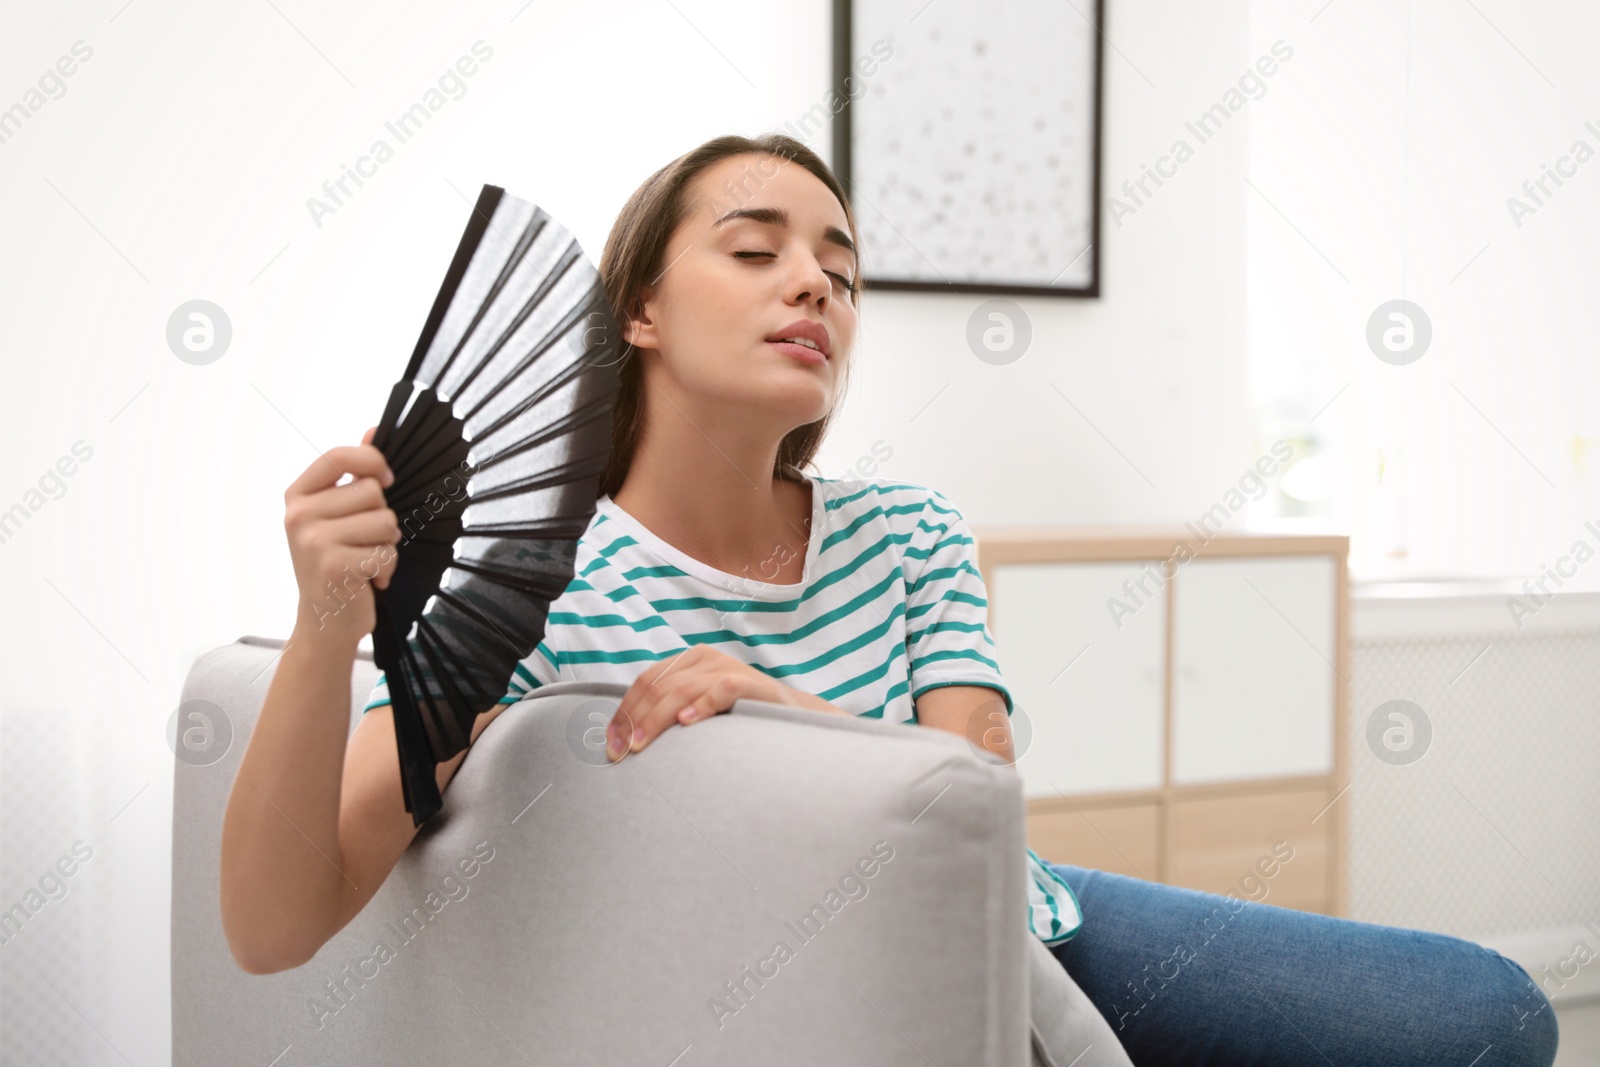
(335, 463)
(335, 502)
(388, 559)
(713, 700)
(374, 529)
(366, 438)
(642, 693)
(655, 706)
(664, 712)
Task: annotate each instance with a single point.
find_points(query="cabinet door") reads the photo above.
(1120, 838)
(1263, 847)
(1088, 682)
(1253, 652)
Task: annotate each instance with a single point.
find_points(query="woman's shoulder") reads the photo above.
(600, 541)
(899, 501)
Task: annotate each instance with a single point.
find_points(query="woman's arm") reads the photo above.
(801, 699)
(314, 823)
(316, 816)
(974, 712)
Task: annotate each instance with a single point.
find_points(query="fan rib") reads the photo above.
(519, 251)
(570, 256)
(488, 200)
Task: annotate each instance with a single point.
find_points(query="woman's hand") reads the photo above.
(688, 687)
(334, 530)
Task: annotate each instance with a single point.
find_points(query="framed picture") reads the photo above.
(969, 144)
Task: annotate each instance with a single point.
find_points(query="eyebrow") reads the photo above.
(777, 216)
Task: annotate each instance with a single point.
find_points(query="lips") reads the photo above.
(800, 352)
(808, 330)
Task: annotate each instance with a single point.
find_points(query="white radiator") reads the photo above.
(1493, 834)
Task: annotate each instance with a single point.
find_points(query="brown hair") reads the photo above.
(631, 263)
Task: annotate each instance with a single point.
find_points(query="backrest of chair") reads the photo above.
(773, 885)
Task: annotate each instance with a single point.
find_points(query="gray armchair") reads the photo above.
(771, 886)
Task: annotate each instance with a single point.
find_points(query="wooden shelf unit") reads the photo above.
(1215, 835)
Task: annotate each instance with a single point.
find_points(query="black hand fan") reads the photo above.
(497, 435)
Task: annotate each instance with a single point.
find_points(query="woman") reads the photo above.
(716, 569)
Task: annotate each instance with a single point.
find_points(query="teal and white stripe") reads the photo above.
(891, 605)
(1053, 913)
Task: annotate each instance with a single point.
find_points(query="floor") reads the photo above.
(1580, 1034)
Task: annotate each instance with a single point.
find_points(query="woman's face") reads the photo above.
(764, 252)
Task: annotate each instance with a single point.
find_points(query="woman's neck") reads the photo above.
(720, 505)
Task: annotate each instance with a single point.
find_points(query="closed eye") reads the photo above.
(832, 274)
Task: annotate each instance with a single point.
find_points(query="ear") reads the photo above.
(639, 329)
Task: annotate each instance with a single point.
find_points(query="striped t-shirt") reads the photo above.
(891, 604)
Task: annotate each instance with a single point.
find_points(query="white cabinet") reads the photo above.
(1177, 708)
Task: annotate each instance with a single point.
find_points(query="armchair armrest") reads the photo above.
(772, 885)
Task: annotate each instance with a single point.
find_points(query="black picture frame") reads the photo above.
(843, 153)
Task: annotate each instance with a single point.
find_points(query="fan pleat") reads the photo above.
(452, 733)
(490, 632)
(564, 378)
(578, 468)
(570, 258)
(564, 424)
(503, 278)
(510, 579)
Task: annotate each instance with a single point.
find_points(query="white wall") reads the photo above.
(1391, 147)
(1128, 408)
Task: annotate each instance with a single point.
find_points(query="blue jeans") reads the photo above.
(1186, 977)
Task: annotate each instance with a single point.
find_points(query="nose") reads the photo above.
(809, 282)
